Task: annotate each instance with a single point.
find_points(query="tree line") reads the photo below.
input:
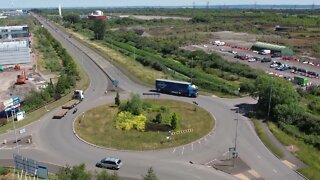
(66, 81)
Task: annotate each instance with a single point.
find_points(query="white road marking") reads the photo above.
(197, 177)
(254, 173)
(210, 162)
(224, 154)
(182, 150)
(174, 150)
(199, 142)
(259, 156)
(192, 147)
(275, 171)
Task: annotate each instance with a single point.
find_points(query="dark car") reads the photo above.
(266, 60)
(276, 54)
(238, 56)
(75, 110)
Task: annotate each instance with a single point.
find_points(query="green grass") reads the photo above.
(37, 114)
(308, 154)
(265, 139)
(97, 127)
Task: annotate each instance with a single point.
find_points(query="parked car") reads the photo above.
(274, 65)
(284, 68)
(258, 58)
(275, 55)
(266, 59)
(238, 56)
(252, 59)
(109, 163)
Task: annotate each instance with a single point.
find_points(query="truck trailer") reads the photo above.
(60, 114)
(71, 104)
(176, 87)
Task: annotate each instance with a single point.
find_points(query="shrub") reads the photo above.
(3, 171)
(3, 122)
(126, 121)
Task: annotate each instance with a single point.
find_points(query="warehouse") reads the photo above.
(285, 51)
(11, 32)
(14, 52)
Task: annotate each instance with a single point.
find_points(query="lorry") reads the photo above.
(60, 114)
(301, 81)
(176, 87)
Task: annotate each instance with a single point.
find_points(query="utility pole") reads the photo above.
(191, 69)
(14, 127)
(234, 149)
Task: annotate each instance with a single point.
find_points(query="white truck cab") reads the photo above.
(78, 94)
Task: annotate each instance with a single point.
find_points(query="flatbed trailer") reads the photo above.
(71, 104)
(60, 114)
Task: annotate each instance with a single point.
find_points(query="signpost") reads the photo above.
(29, 166)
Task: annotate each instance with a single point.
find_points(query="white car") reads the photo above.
(252, 59)
(274, 65)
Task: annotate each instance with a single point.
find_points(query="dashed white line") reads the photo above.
(182, 150)
(174, 150)
(192, 147)
(197, 177)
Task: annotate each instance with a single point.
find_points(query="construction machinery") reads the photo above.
(21, 78)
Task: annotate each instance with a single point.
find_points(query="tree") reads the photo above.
(74, 173)
(158, 118)
(151, 175)
(117, 99)
(104, 175)
(272, 92)
(174, 121)
(99, 28)
(72, 18)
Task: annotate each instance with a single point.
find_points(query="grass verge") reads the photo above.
(265, 139)
(308, 154)
(103, 132)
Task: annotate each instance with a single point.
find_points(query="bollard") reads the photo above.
(28, 140)
(5, 141)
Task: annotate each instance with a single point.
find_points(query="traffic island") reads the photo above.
(162, 124)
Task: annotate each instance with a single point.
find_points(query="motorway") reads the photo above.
(55, 142)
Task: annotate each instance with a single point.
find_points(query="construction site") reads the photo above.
(18, 69)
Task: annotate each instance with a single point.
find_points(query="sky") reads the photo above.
(116, 3)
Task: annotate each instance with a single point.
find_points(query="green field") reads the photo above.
(97, 127)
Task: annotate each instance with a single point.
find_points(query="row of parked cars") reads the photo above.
(252, 59)
(283, 67)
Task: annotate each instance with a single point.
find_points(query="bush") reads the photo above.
(127, 121)
(3, 122)
(3, 171)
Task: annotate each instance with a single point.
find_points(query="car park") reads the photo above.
(258, 58)
(110, 163)
(273, 65)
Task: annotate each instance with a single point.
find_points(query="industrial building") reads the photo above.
(11, 32)
(14, 52)
(285, 51)
(14, 45)
(97, 15)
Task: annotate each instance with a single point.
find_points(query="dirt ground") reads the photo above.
(154, 17)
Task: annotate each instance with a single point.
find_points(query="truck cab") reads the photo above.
(78, 94)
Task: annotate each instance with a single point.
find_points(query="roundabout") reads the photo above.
(97, 126)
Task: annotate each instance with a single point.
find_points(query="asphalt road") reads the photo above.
(54, 141)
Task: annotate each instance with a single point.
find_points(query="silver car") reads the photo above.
(109, 163)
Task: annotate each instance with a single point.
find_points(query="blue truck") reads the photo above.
(176, 87)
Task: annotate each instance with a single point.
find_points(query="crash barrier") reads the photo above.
(182, 131)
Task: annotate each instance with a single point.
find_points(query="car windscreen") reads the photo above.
(119, 161)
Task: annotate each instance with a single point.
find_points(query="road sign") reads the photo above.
(115, 83)
(21, 131)
(27, 165)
